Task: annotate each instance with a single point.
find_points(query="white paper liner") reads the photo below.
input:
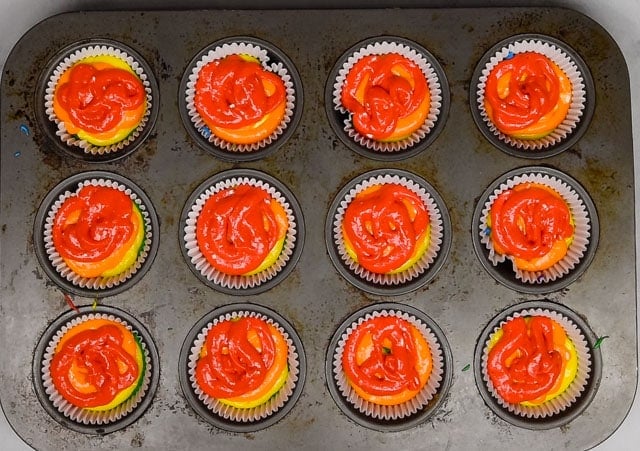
(76, 57)
(435, 236)
(581, 235)
(96, 283)
(236, 48)
(262, 411)
(566, 64)
(200, 262)
(381, 48)
(563, 400)
(86, 416)
(407, 408)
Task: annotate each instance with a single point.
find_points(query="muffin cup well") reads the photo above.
(580, 111)
(564, 408)
(231, 418)
(273, 60)
(54, 265)
(580, 252)
(84, 420)
(56, 130)
(418, 141)
(410, 413)
(239, 284)
(425, 268)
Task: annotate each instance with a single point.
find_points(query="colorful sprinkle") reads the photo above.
(466, 367)
(599, 341)
(25, 130)
(510, 55)
(70, 303)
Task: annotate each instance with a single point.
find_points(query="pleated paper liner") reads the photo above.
(580, 111)
(424, 270)
(239, 284)
(232, 418)
(418, 141)
(402, 416)
(53, 264)
(579, 254)
(564, 408)
(273, 60)
(85, 420)
(55, 128)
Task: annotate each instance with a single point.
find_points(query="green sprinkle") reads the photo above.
(466, 367)
(599, 341)
(386, 351)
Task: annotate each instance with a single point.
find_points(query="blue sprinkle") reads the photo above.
(510, 55)
(17, 153)
(25, 130)
(206, 132)
(487, 231)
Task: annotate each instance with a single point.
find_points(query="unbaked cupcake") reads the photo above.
(265, 351)
(389, 93)
(240, 230)
(531, 92)
(539, 223)
(100, 98)
(388, 364)
(97, 231)
(241, 96)
(388, 228)
(96, 369)
(536, 363)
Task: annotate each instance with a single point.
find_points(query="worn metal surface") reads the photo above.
(314, 164)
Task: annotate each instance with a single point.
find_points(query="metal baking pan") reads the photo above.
(315, 164)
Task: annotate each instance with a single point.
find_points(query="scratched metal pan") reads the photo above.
(314, 164)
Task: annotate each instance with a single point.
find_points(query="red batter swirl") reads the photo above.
(237, 228)
(232, 365)
(97, 354)
(391, 366)
(533, 91)
(96, 99)
(383, 226)
(230, 92)
(527, 220)
(523, 364)
(91, 225)
(379, 94)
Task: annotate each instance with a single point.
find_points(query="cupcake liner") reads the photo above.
(77, 56)
(276, 67)
(566, 63)
(399, 411)
(436, 232)
(564, 400)
(96, 283)
(582, 228)
(85, 416)
(238, 282)
(435, 89)
(236, 414)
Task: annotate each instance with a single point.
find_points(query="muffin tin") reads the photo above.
(314, 164)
